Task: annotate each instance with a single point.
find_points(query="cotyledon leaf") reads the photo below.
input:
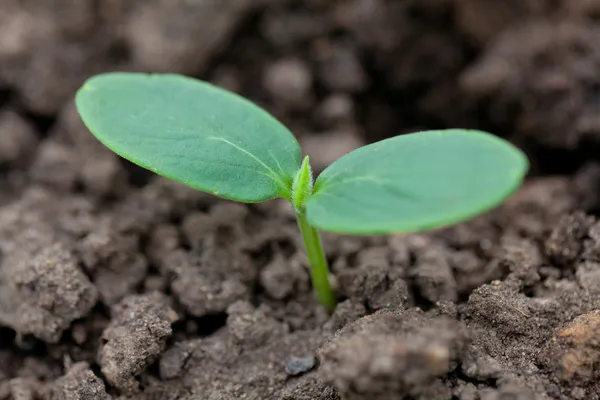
(416, 182)
(193, 132)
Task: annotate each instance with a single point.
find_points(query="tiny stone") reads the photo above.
(298, 365)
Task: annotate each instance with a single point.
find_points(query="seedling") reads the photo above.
(218, 142)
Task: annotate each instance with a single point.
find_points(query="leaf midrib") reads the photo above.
(270, 173)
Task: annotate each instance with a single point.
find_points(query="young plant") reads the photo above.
(218, 142)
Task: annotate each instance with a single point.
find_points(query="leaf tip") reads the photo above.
(302, 186)
(305, 161)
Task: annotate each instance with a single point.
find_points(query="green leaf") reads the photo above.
(415, 182)
(192, 132)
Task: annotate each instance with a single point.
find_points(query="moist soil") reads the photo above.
(116, 284)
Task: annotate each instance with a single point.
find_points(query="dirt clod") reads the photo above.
(18, 140)
(207, 290)
(183, 36)
(42, 289)
(566, 241)
(252, 328)
(24, 388)
(374, 281)
(575, 350)
(135, 338)
(433, 275)
(79, 383)
(555, 64)
(392, 354)
(173, 361)
(54, 166)
(114, 261)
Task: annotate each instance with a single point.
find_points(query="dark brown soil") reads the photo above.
(115, 284)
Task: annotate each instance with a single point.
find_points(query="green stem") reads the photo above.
(319, 270)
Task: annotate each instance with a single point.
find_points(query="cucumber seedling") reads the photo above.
(218, 142)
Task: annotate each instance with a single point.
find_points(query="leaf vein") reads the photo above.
(272, 173)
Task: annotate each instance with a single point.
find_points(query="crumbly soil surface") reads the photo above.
(115, 284)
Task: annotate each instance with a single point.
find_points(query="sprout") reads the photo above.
(218, 142)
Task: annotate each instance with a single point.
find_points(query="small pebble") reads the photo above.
(298, 365)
